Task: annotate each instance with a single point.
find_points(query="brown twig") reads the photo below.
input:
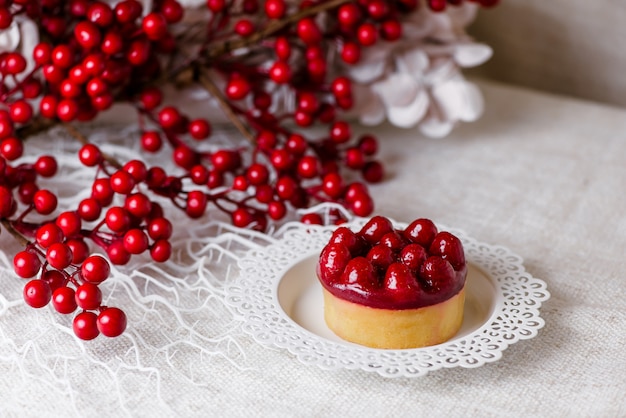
(210, 86)
(236, 43)
(19, 237)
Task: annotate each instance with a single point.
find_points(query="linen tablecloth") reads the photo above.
(542, 175)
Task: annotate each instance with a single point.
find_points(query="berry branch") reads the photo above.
(269, 64)
(215, 92)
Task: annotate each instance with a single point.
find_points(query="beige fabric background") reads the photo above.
(573, 47)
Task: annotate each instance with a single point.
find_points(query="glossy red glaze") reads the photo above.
(385, 268)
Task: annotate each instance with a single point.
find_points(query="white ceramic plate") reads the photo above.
(280, 299)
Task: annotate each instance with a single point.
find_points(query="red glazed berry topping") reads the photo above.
(384, 267)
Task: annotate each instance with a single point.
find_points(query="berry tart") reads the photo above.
(390, 288)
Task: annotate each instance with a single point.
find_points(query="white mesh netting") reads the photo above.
(179, 327)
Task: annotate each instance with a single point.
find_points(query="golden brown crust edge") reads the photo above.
(394, 329)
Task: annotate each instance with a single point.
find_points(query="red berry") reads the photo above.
(117, 219)
(42, 53)
(340, 132)
(135, 241)
(275, 9)
(241, 217)
(13, 63)
(48, 106)
(237, 88)
(26, 264)
(437, 5)
(59, 255)
(276, 210)
(67, 110)
(89, 209)
(88, 296)
(169, 117)
(312, 219)
(20, 111)
(333, 260)
(87, 34)
(85, 326)
(332, 184)
(80, 250)
(373, 172)
(172, 11)
(45, 202)
(117, 253)
(70, 223)
(437, 274)
(95, 269)
(64, 300)
(199, 129)
(6, 18)
(6, 202)
(100, 13)
(196, 204)
(348, 15)
(160, 229)
(280, 72)
(351, 53)
(154, 26)
(308, 31)
(363, 205)
(308, 167)
(161, 250)
(122, 182)
(421, 231)
(151, 141)
(398, 280)
(37, 293)
(413, 255)
(216, 6)
(448, 247)
(54, 278)
(367, 34)
(11, 148)
(49, 234)
(381, 257)
(90, 155)
(112, 43)
(359, 275)
(46, 166)
(138, 52)
(138, 205)
(111, 322)
(244, 28)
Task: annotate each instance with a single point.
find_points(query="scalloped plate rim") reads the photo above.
(497, 309)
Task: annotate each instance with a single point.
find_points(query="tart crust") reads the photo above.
(392, 328)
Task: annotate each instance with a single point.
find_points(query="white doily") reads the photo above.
(509, 309)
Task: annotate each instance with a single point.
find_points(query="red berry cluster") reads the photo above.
(389, 268)
(94, 54)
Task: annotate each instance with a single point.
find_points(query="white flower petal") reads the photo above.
(409, 115)
(372, 112)
(441, 70)
(472, 54)
(397, 90)
(10, 38)
(418, 25)
(30, 39)
(372, 65)
(414, 61)
(462, 16)
(459, 100)
(433, 127)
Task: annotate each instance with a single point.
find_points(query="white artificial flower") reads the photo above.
(21, 36)
(418, 81)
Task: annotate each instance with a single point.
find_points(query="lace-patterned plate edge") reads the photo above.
(254, 293)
